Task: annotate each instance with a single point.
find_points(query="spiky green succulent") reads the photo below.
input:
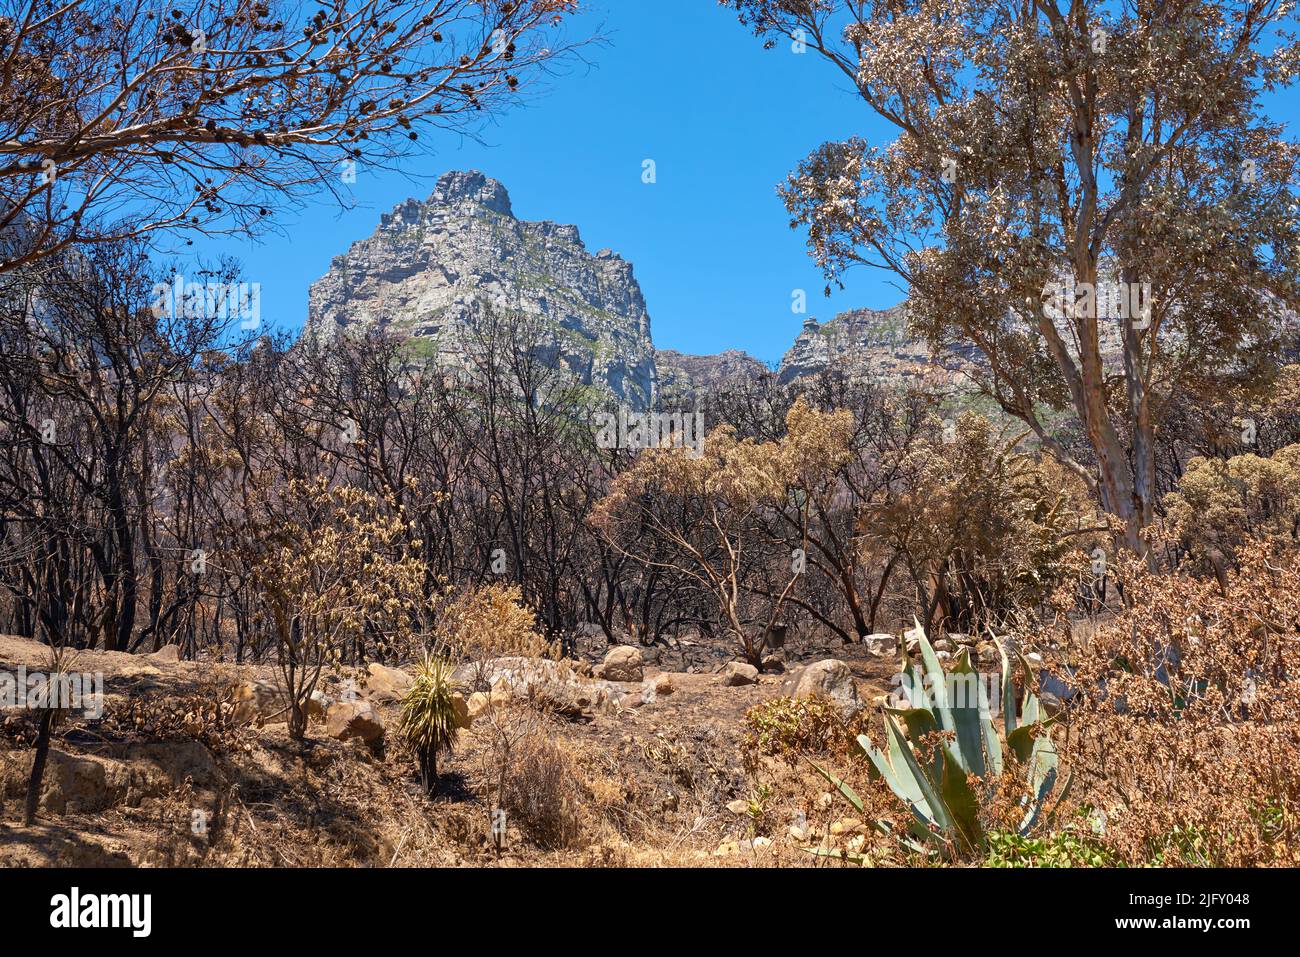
(946, 780)
(428, 720)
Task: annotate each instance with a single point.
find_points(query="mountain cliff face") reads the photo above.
(682, 377)
(431, 267)
(867, 342)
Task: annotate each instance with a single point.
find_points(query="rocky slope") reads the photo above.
(682, 376)
(433, 267)
(867, 342)
(644, 765)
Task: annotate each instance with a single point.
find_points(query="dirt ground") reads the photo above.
(151, 783)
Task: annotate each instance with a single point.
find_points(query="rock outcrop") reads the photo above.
(433, 270)
(682, 377)
(869, 343)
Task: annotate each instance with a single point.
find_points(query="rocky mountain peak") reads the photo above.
(431, 268)
(458, 187)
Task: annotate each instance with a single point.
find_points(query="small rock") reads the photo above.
(799, 832)
(943, 644)
(738, 806)
(318, 705)
(739, 673)
(481, 702)
(260, 700)
(167, 653)
(664, 685)
(845, 825)
(774, 665)
(622, 663)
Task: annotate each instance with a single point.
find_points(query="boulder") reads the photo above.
(480, 703)
(739, 673)
(517, 673)
(830, 679)
(72, 784)
(354, 719)
(622, 663)
(881, 645)
(387, 684)
(460, 706)
(773, 664)
(257, 700)
(167, 653)
(912, 640)
(318, 705)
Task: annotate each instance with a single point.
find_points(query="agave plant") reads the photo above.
(428, 721)
(939, 790)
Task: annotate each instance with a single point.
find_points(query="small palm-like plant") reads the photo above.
(61, 662)
(947, 790)
(428, 721)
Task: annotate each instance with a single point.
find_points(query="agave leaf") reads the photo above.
(1065, 792)
(1036, 805)
(1030, 700)
(936, 686)
(988, 732)
(1008, 689)
(1029, 712)
(966, 717)
(926, 803)
(962, 802)
(920, 722)
(1043, 761)
(850, 795)
(904, 784)
(850, 856)
(1021, 742)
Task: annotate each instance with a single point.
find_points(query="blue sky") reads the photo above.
(679, 82)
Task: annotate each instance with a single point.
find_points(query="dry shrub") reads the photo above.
(206, 715)
(535, 778)
(491, 621)
(544, 794)
(1186, 729)
(789, 728)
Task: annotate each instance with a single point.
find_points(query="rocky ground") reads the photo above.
(626, 758)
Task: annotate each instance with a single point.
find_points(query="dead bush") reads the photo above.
(1185, 726)
(535, 778)
(491, 621)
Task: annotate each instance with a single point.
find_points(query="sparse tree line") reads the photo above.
(164, 483)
